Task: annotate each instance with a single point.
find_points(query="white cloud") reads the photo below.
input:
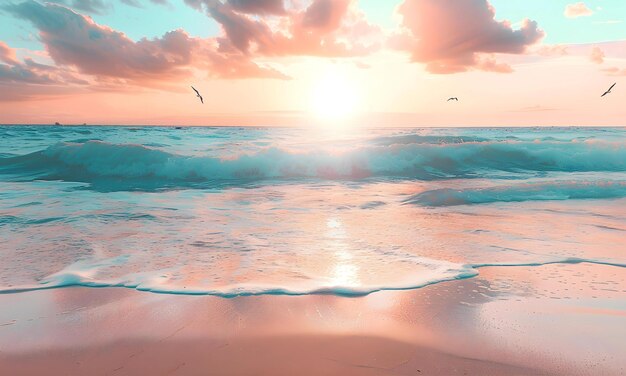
(577, 10)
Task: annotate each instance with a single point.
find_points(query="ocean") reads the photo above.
(249, 211)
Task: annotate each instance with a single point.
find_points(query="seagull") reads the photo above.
(198, 94)
(452, 99)
(608, 91)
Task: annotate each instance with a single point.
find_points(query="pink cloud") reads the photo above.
(454, 36)
(552, 50)
(597, 55)
(615, 71)
(31, 72)
(329, 28)
(75, 40)
(325, 15)
(251, 29)
(7, 54)
(489, 64)
(29, 79)
(577, 10)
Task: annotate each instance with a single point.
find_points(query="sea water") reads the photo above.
(242, 211)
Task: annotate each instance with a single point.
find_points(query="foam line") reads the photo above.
(143, 282)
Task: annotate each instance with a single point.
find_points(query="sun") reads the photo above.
(334, 97)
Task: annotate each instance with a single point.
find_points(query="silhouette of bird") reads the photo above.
(452, 99)
(198, 94)
(608, 91)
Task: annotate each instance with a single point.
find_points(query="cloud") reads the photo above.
(329, 28)
(235, 65)
(577, 10)
(7, 54)
(251, 30)
(132, 3)
(597, 55)
(29, 80)
(138, 3)
(452, 36)
(20, 73)
(325, 14)
(72, 39)
(89, 6)
(76, 40)
(489, 64)
(101, 6)
(552, 50)
(275, 7)
(608, 22)
(615, 71)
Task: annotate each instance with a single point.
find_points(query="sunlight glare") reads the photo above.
(334, 97)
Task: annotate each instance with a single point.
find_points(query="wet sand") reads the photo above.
(549, 320)
(295, 355)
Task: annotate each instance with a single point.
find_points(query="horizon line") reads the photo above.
(307, 126)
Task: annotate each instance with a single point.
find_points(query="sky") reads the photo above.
(326, 63)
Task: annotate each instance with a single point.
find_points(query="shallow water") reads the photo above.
(239, 211)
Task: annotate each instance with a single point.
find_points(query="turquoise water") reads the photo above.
(237, 211)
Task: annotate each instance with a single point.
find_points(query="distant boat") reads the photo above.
(57, 123)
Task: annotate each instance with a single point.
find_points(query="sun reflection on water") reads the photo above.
(344, 271)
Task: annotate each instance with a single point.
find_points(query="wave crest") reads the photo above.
(126, 166)
(522, 192)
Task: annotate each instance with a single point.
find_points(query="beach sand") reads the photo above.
(548, 320)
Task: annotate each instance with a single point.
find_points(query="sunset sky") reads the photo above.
(302, 62)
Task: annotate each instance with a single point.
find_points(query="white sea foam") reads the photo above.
(84, 274)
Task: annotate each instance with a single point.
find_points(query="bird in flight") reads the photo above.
(608, 91)
(452, 99)
(198, 94)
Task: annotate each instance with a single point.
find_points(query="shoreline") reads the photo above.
(460, 327)
(239, 291)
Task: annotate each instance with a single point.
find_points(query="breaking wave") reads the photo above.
(522, 192)
(127, 166)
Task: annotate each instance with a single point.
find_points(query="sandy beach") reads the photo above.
(542, 326)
